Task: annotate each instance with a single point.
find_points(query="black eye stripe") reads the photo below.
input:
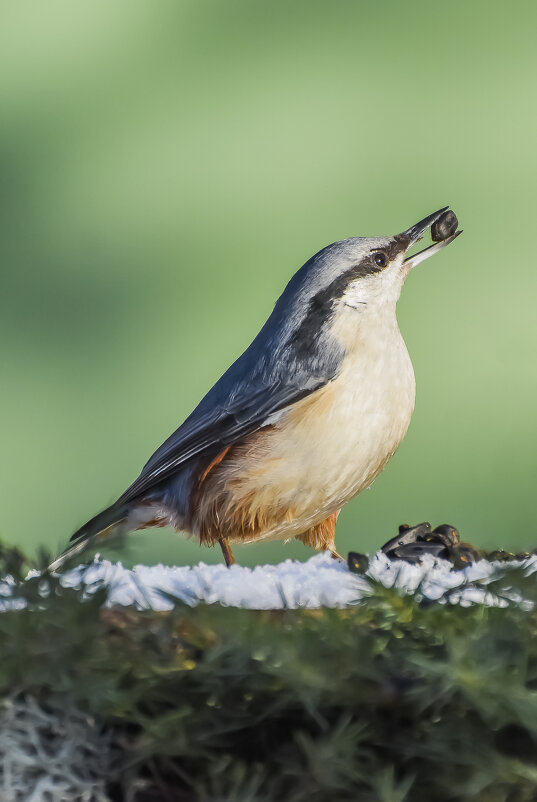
(321, 305)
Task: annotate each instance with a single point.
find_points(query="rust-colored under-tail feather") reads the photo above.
(321, 537)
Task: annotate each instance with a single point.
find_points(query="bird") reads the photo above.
(304, 420)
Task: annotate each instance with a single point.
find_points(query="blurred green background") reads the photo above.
(165, 167)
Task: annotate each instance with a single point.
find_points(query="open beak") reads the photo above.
(416, 232)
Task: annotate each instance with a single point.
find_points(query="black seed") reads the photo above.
(445, 226)
(447, 534)
(358, 563)
(407, 534)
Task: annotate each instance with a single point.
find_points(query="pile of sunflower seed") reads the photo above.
(412, 543)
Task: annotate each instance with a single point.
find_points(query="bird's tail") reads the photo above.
(106, 524)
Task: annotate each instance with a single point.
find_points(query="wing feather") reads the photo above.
(221, 426)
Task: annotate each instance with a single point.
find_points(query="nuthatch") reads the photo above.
(304, 420)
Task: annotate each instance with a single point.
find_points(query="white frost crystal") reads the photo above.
(50, 755)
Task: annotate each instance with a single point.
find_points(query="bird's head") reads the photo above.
(365, 274)
(364, 271)
(375, 268)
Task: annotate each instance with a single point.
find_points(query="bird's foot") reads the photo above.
(336, 556)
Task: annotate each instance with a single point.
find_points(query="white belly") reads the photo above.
(330, 446)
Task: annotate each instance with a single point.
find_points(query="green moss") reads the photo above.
(391, 700)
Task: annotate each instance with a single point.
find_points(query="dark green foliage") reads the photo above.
(392, 700)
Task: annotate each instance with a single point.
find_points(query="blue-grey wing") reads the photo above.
(291, 357)
(225, 424)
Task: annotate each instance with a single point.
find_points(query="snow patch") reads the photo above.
(319, 582)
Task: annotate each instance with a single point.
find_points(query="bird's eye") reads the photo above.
(380, 259)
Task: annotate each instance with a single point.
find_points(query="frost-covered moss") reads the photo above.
(392, 700)
(51, 751)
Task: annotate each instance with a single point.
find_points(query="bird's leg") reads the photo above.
(226, 551)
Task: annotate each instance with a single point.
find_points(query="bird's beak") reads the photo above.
(416, 232)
